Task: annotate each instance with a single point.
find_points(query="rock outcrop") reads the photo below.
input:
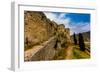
(39, 29)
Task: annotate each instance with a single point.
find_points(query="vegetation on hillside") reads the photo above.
(39, 29)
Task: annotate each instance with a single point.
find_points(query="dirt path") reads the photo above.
(29, 53)
(69, 52)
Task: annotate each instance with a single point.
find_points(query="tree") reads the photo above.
(81, 42)
(75, 40)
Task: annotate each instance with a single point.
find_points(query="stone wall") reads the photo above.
(45, 52)
(43, 37)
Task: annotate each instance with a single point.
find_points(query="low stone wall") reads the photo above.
(45, 51)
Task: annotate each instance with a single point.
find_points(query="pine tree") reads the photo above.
(75, 40)
(81, 42)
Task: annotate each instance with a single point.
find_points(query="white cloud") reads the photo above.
(74, 27)
(80, 27)
(61, 19)
(50, 15)
(62, 15)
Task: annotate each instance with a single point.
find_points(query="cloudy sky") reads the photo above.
(77, 22)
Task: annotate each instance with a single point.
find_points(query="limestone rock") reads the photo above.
(38, 29)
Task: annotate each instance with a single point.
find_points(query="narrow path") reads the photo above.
(31, 52)
(69, 52)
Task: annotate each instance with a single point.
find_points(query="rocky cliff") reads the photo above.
(39, 29)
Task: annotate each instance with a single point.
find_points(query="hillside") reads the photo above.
(86, 36)
(46, 40)
(37, 28)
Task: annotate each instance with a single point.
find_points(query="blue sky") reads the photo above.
(77, 22)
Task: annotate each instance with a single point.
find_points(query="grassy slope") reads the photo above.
(60, 55)
(77, 54)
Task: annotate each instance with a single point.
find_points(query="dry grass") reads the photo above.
(60, 55)
(77, 54)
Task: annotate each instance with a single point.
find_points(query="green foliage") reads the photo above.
(78, 54)
(75, 39)
(81, 42)
(60, 55)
